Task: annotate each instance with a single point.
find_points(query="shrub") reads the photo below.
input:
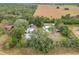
(66, 43)
(21, 22)
(2, 31)
(64, 31)
(70, 20)
(66, 8)
(17, 32)
(57, 7)
(38, 22)
(13, 42)
(19, 28)
(21, 44)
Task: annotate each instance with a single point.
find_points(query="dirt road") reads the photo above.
(2, 52)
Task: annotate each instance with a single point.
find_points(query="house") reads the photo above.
(29, 31)
(6, 26)
(46, 28)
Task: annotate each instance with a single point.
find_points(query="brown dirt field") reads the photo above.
(52, 12)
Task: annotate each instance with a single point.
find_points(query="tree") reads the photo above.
(19, 28)
(16, 33)
(58, 23)
(21, 22)
(64, 30)
(13, 42)
(57, 7)
(5, 21)
(38, 21)
(1, 17)
(2, 31)
(40, 41)
(66, 42)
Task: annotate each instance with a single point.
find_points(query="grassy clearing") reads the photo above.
(56, 36)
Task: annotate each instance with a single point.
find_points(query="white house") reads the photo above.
(29, 31)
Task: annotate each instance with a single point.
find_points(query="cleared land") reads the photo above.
(53, 12)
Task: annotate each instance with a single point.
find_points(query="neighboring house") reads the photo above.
(6, 26)
(45, 28)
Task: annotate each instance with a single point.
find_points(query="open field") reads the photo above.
(53, 12)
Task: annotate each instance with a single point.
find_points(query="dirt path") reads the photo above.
(2, 52)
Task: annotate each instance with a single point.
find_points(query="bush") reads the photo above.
(57, 7)
(5, 21)
(21, 22)
(2, 31)
(70, 20)
(66, 43)
(64, 31)
(19, 28)
(38, 22)
(21, 44)
(17, 32)
(13, 42)
(66, 8)
(58, 23)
